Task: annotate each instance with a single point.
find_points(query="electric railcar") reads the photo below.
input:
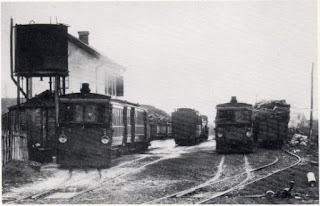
(93, 127)
(233, 131)
(189, 127)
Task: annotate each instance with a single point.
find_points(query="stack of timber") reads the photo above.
(270, 123)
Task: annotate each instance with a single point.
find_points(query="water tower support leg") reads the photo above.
(56, 97)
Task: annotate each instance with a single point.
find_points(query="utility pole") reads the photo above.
(311, 107)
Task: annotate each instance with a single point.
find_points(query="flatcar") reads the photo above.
(270, 123)
(93, 127)
(233, 130)
(189, 127)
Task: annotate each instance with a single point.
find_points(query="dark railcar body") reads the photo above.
(84, 133)
(93, 127)
(188, 127)
(233, 131)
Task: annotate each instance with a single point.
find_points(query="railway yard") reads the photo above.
(171, 174)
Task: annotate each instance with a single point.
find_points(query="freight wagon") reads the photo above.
(270, 123)
(189, 127)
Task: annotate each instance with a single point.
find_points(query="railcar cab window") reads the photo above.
(237, 116)
(82, 113)
(225, 115)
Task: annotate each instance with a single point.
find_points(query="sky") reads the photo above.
(191, 54)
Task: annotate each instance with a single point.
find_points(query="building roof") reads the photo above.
(43, 100)
(93, 52)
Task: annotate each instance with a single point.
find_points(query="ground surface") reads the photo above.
(165, 170)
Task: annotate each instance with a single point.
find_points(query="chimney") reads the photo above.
(84, 36)
(233, 99)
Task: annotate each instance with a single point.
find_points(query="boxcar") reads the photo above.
(92, 127)
(189, 127)
(233, 130)
(270, 123)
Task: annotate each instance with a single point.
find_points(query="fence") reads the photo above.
(14, 143)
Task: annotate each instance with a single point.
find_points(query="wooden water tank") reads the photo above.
(41, 50)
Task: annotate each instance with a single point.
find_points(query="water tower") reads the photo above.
(39, 51)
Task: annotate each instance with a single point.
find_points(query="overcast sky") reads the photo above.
(191, 54)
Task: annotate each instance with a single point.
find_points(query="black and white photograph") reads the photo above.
(160, 102)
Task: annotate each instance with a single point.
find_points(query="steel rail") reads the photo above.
(208, 183)
(35, 195)
(261, 178)
(104, 181)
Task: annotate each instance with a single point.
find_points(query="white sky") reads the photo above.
(191, 54)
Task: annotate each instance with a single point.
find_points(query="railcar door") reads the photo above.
(117, 125)
(128, 125)
(93, 151)
(139, 125)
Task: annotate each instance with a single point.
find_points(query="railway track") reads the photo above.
(30, 196)
(118, 176)
(216, 187)
(66, 185)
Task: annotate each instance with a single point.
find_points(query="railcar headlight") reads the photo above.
(249, 134)
(63, 138)
(220, 135)
(105, 139)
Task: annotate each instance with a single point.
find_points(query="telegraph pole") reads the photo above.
(311, 107)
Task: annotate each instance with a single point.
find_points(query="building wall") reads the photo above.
(85, 68)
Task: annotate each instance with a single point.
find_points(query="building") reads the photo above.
(88, 65)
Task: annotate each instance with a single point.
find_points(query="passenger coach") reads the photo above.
(234, 127)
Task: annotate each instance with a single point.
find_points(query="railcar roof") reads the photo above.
(186, 109)
(124, 102)
(85, 96)
(234, 105)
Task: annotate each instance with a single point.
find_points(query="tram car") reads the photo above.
(93, 127)
(233, 130)
(189, 127)
(270, 123)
